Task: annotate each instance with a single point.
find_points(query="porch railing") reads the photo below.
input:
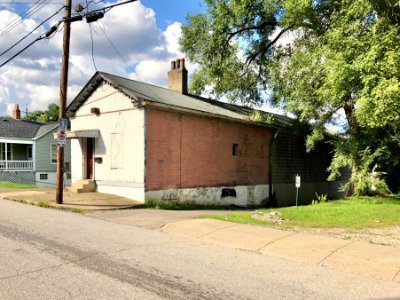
(16, 165)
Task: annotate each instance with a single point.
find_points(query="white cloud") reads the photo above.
(32, 79)
(172, 35)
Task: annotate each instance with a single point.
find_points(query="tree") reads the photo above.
(342, 58)
(44, 116)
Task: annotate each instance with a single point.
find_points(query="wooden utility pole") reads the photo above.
(63, 99)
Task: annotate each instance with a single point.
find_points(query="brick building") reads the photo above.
(146, 142)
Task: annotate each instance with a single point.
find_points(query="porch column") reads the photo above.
(5, 155)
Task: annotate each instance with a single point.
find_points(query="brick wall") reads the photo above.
(188, 151)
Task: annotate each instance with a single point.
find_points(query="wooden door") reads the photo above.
(89, 158)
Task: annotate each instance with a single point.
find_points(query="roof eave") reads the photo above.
(168, 107)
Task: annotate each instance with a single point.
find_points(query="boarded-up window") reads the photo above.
(117, 151)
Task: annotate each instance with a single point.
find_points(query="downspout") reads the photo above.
(271, 147)
(94, 161)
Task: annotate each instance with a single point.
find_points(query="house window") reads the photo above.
(68, 175)
(53, 153)
(29, 152)
(235, 149)
(66, 166)
(43, 176)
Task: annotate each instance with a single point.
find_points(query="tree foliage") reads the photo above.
(341, 58)
(44, 116)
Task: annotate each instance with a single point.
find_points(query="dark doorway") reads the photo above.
(89, 158)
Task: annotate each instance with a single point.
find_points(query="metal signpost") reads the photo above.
(298, 182)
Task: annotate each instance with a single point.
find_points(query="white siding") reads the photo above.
(119, 120)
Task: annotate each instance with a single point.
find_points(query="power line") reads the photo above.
(48, 34)
(17, 19)
(26, 2)
(91, 37)
(26, 14)
(4, 52)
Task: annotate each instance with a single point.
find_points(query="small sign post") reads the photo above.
(297, 183)
(61, 136)
(61, 139)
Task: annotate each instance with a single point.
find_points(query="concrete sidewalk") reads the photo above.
(362, 258)
(84, 202)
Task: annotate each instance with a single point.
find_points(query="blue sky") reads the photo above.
(173, 11)
(136, 40)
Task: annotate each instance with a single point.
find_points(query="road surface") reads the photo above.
(51, 254)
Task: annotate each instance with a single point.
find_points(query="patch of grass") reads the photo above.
(77, 210)
(43, 204)
(7, 184)
(167, 205)
(352, 213)
(241, 218)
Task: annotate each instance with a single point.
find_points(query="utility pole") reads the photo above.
(63, 99)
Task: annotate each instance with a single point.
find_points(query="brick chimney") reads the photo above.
(16, 114)
(178, 76)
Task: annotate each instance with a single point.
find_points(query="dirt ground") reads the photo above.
(389, 236)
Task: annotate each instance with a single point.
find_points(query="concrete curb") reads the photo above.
(362, 258)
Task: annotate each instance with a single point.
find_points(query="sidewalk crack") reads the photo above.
(334, 251)
(269, 243)
(219, 229)
(395, 275)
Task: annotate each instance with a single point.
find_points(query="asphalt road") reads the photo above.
(50, 254)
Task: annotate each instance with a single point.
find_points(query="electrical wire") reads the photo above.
(5, 51)
(27, 2)
(18, 20)
(43, 36)
(91, 37)
(20, 17)
(47, 36)
(103, 30)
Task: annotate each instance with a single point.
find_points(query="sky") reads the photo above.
(136, 40)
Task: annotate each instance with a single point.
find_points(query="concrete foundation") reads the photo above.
(230, 195)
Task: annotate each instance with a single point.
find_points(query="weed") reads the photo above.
(319, 199)
(43, 204)
(168, 205)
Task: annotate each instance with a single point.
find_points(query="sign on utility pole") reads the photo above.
(297, 184)
(63, 100)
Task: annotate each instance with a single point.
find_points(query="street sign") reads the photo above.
(61, 139)
(298, 181)
(297, 184)
(62, 124)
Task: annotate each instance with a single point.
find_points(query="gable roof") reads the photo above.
(23, 129)
(44, 129)
(140, 91)
(12, 128)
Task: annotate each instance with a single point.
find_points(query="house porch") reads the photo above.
(16, 156)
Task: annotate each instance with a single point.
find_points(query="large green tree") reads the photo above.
(45, 116)
(319, 59)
